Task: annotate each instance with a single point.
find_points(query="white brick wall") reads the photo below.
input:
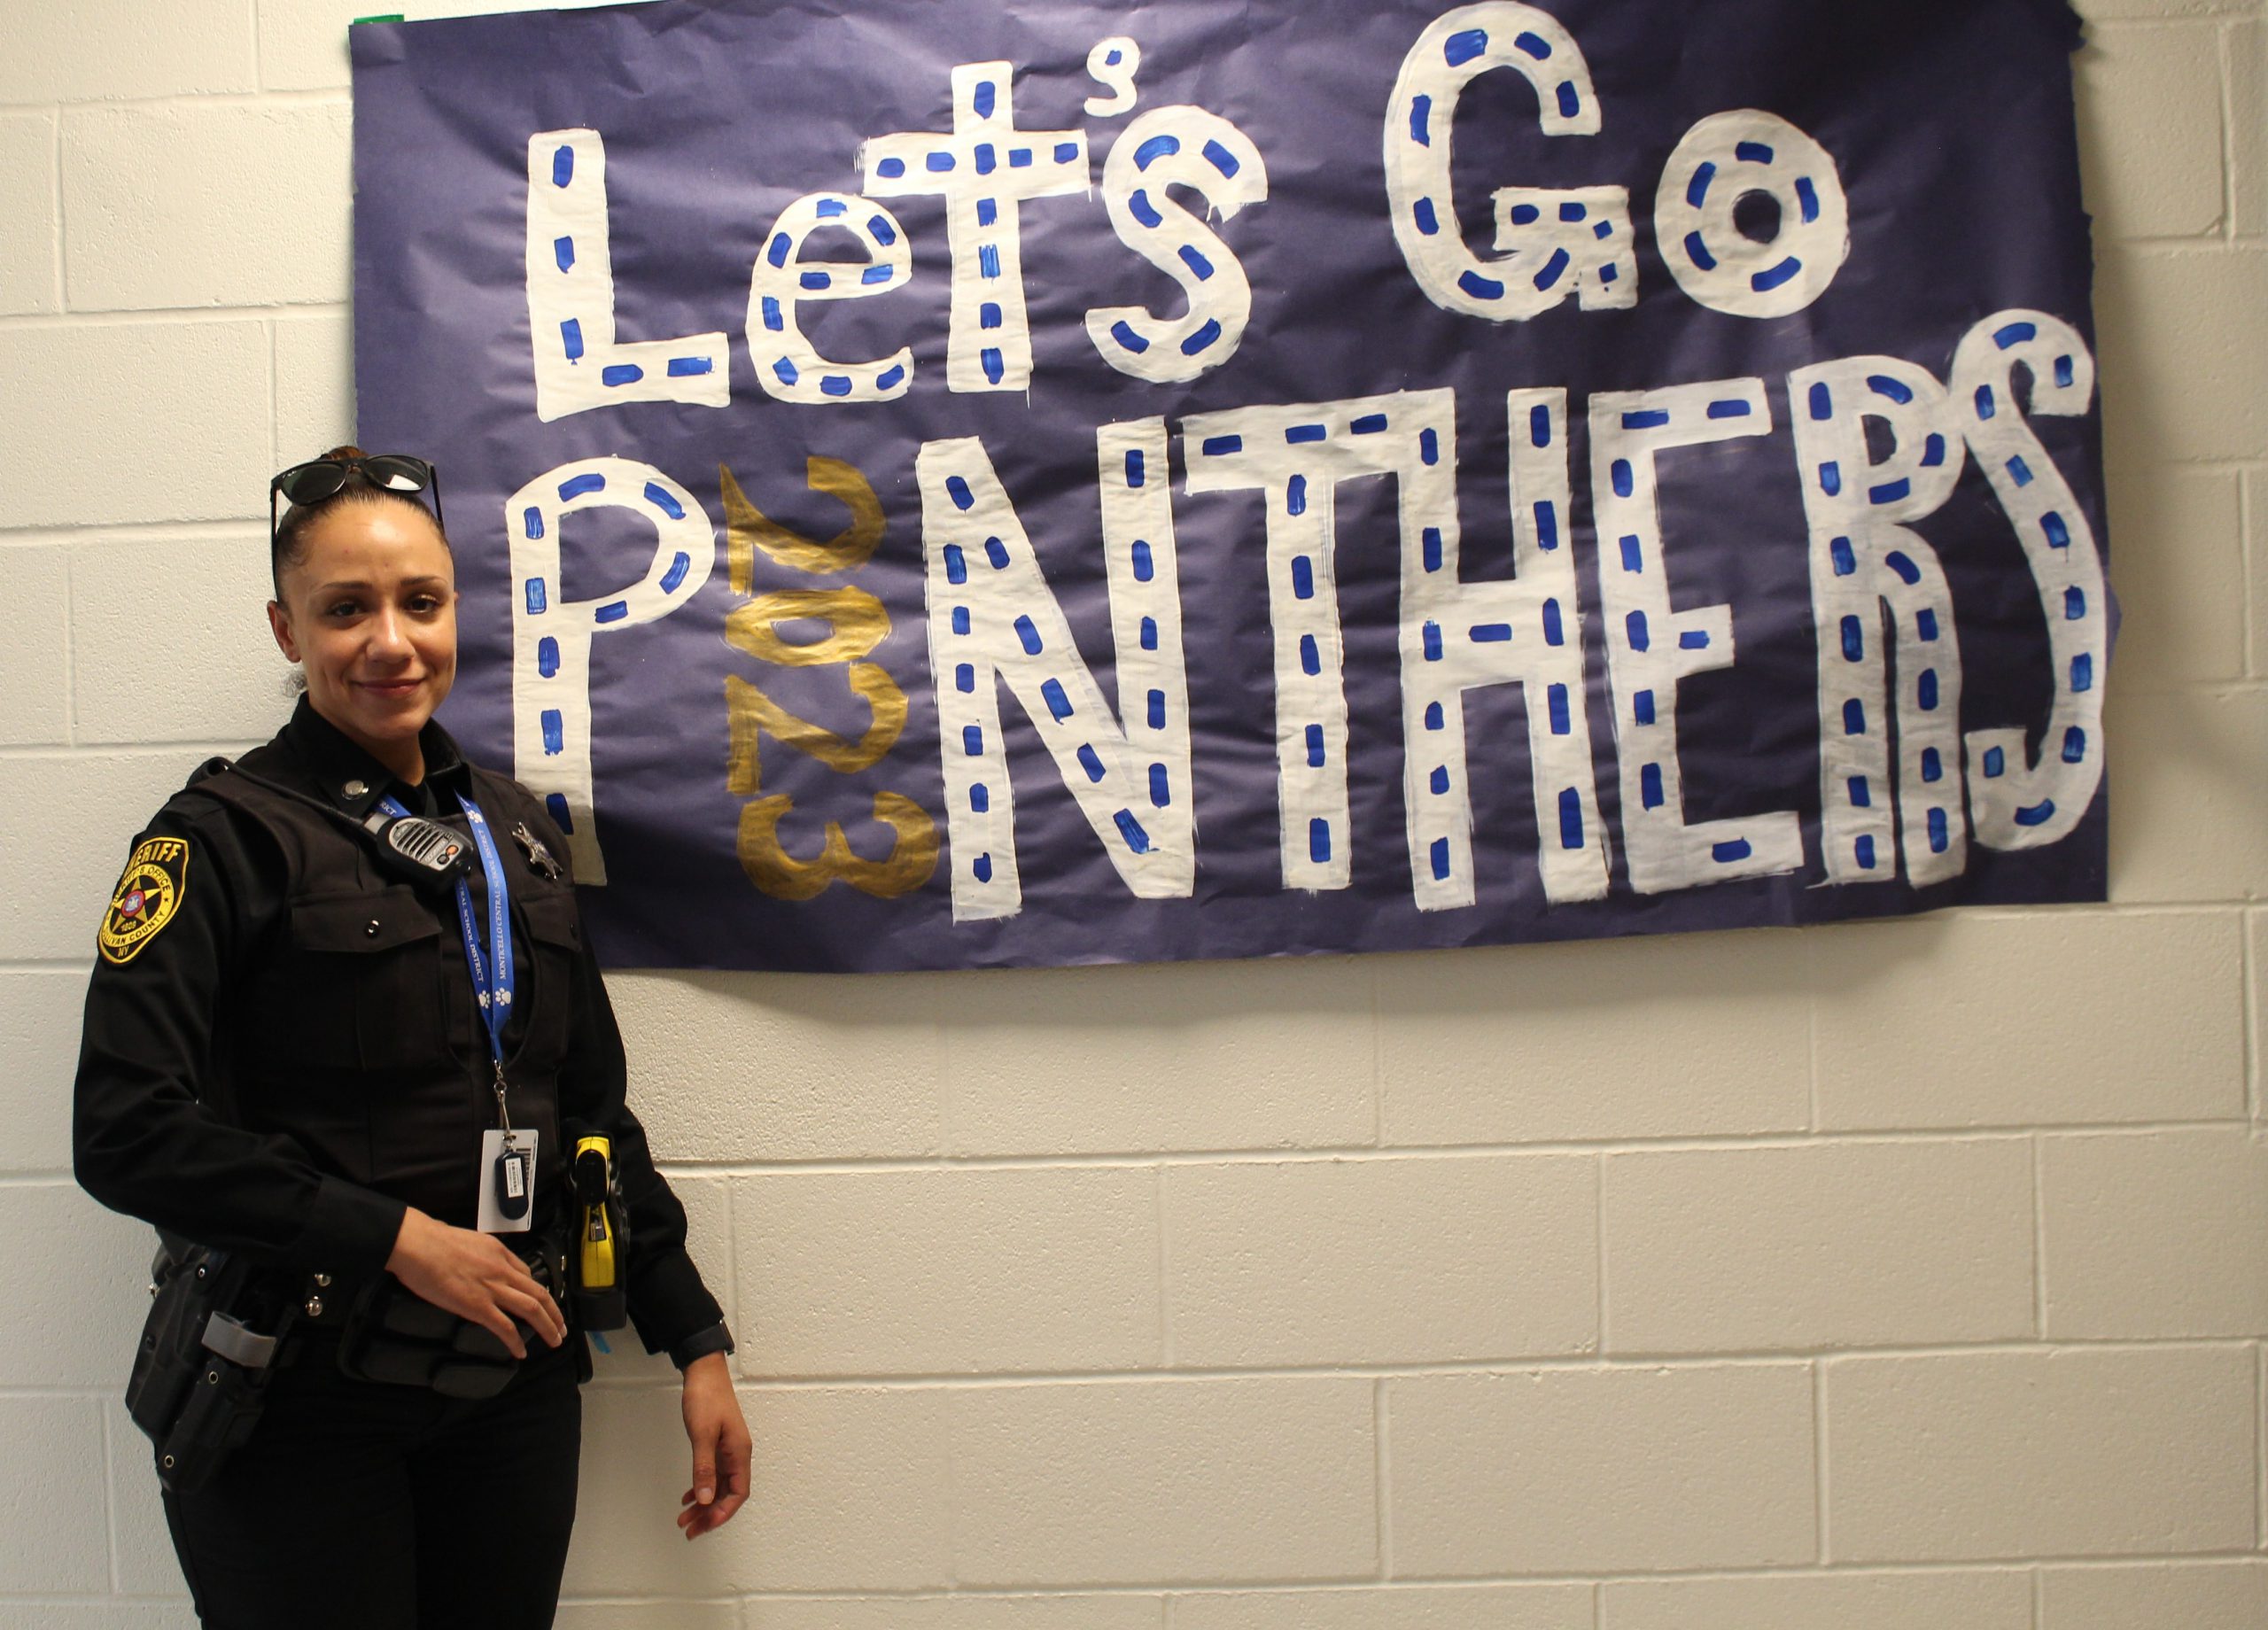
(930, 1272)
(1876, 1277)
(2050, 1452)
(1820, 1244)
(1587, 1469)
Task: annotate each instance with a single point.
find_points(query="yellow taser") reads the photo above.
(600, 1302)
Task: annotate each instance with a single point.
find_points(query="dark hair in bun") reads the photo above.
(289, 544)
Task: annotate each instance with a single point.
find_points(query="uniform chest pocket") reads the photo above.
(554, 946)
(356, 983)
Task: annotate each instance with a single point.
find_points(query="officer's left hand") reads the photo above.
(720, 1447)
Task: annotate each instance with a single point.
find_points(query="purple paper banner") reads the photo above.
(937, 485)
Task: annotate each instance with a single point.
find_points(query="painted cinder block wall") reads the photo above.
(1876, 1277)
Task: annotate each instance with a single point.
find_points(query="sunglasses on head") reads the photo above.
(318, 479)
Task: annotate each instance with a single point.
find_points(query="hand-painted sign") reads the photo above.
(952, 485)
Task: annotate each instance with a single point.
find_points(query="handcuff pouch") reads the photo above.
(396, 1337)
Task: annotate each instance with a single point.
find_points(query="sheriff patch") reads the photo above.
(149, 893)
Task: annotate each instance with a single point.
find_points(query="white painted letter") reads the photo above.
(1723, 159)
(1866, 559)
(1454, 636)
(1556, 243)
(1189, 147)
(578, 364)
(1649, 647)
(984, 169)
(1459, 636)
(1297, 456)
(992, 618)
(551, 637)
(2018, 802)
(787, 366)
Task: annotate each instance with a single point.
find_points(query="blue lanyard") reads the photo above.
(492, 975)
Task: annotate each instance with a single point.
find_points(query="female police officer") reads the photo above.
(305, 1053)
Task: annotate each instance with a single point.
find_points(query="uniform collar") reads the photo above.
(353, 780)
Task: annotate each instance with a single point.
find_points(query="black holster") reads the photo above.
(201, 1371)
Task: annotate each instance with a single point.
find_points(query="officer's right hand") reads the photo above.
(473, 1276)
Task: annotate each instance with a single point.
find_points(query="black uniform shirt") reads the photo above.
(158, 1133)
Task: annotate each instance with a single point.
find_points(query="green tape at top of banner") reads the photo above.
(382, 17)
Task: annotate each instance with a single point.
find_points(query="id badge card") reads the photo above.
(507, 1181)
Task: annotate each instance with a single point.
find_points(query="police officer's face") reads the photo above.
(370, 613)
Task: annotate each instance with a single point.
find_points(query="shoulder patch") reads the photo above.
(149, 893)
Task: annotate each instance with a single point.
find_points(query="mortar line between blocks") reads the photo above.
(1600, 1343)
(70, 651)
(2214, 238)
(2259, 1416)
(1635, 1361)
(94, 1393)
(945, 1144)
(109, 1501)
(2148, 689)
(1352, 1153)
(63, 535)
(732, 1297)
(1381, 1471)
(1378, 1056)
(2172, 246)
(253, 99)
(56, 259)
(2147, 25)
(258, 68)
(953, 1580)
(2165, 907)
(1824, 1541)
(1343, 1585)
(2224, 71)
(275, 394)
(2245, 521)
(1165, 1274)
(2038, 1598)
(2247, 997)
(1811, 1051)
(2040, 1238)
(73, 752)
(169, 317)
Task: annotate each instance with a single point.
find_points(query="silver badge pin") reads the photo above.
(539, 856)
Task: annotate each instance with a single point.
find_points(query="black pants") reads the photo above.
(358, 1506)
